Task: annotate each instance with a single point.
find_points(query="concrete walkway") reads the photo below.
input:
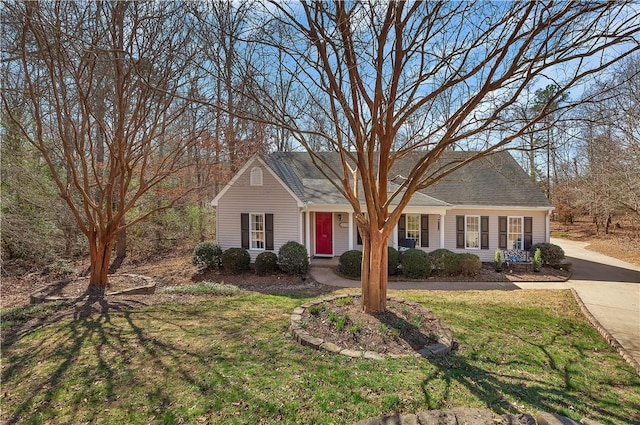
(609, 289)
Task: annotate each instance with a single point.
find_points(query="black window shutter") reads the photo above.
(402, 228)
(459, 231)
(268, 231)
(502, 232)
(244, 226)
(424, 230)
(359, 237)
(484, 232)
(528, 232)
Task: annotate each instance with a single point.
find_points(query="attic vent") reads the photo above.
(256, 176)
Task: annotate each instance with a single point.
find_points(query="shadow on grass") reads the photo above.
(93, 361)
(409, 332)
(505, 392)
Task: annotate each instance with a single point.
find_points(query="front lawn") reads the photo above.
(231, 360)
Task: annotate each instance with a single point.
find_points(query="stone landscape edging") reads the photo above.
(39, 296)
(443, 346)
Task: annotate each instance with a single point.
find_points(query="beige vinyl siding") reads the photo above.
(539, 223)
(270, 198)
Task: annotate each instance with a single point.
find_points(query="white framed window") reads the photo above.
(472, 231)
(256, 231)
(256, 176)
(514, 233)
(413, 227)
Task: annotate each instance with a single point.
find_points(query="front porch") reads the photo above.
(328, 233)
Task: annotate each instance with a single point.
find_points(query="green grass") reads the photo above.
(231, 360)
(560, 234)
(204, 287)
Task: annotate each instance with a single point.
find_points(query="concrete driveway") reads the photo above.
(610, 289)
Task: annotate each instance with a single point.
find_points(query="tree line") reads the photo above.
(126, 117)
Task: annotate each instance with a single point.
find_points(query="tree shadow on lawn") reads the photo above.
(502, 392)
(96, 361)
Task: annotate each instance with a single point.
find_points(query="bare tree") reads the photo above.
(225, 28)
(398, 79)
(607, 179)
(100, 82)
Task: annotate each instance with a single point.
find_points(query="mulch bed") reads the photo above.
(402, 329)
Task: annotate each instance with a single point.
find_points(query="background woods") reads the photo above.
(121, 120)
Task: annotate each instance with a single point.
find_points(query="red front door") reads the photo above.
(324, 236)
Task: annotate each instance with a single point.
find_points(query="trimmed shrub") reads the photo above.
(351, 263)
(266, 262)
(537, 260)
(469, 264)
(393, 261)
(497, 260)
(445, 262)
(415, 263)
(207, 255)
(236, 260)
(293, 258)
(551, 254)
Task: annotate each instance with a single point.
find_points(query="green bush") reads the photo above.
(351, 263)
(415, 263)
(445, 262)
(266, 262)
(393, 260)
(498, 260)
(207, 255)
(469, 264)
(236, 260)
(551, 254)
(293, 258)
(537, 260)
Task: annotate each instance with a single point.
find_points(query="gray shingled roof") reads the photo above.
(496, 180)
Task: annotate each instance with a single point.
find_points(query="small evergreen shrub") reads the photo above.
(207, 255)
(537, 260)
(266, 262)
(497, 260)
(551, 254)
(445, 262)
(393, 261)
(415, 263)
(469, 264)
(351, 263)
(293, 258)
(236, 260)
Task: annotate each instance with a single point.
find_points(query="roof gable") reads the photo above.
(251, 163)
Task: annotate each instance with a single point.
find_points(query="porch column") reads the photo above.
(441, 230)
(548, 226)
(301, 227)
(394, 237)
(307, 231)
(350, 214)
